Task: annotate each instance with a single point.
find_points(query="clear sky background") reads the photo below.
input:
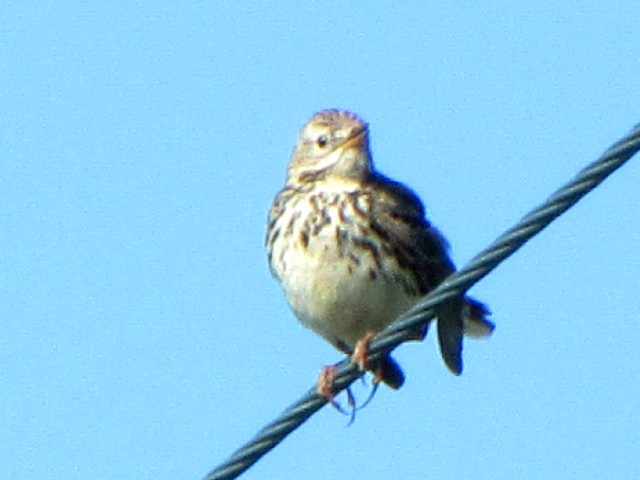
(141, 143)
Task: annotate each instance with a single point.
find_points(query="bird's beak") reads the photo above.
(357, 138)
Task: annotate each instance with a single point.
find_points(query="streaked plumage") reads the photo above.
(352, 248)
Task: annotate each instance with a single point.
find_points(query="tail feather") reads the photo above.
(450, 330)
(455, 319)
(475, 315)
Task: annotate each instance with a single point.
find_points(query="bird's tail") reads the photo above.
(474, 318)
(465, 316)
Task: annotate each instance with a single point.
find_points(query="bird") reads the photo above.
(353, 249)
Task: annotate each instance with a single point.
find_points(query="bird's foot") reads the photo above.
(325, 387)
(361, 351)
(326, 380)
(360, 354)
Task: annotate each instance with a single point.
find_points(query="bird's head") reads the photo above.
(332, 143)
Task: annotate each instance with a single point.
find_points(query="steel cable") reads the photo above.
(404, 327)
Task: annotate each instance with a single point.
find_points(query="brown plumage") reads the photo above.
(352, 248)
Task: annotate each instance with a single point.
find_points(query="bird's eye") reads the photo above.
(322, 141)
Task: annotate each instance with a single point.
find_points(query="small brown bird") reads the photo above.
(352, 248)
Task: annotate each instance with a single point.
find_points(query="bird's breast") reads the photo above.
(335, 271)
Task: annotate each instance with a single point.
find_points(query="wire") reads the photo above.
(424, 311)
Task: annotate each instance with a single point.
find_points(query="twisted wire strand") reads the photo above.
(404, 327)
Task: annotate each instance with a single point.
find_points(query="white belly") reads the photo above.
(332, 289)
(341, 306)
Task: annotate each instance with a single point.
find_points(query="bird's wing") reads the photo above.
(399, 216)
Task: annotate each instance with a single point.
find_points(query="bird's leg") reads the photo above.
(359, 357)
(326, 379)
(324, 387)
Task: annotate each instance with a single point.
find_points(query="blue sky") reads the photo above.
(141, 335)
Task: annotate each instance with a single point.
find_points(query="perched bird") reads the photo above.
(352, 248)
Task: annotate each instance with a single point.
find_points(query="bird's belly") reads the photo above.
(342, 294)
